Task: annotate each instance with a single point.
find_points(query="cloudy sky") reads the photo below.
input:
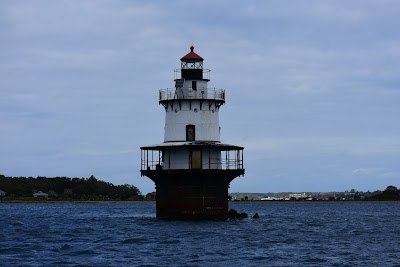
(313, 87)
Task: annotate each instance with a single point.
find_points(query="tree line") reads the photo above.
(65, 188)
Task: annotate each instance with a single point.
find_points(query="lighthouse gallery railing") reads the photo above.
(231, 160)
(208, 93)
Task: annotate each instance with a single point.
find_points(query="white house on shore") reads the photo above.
(298, 196)
(2, 193)
(40, 194)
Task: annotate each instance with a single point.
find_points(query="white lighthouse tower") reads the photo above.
(192, 169)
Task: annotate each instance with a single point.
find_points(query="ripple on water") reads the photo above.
(65, 247)
(135, 240)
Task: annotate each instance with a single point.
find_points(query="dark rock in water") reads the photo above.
(233, 215)
(256, 216)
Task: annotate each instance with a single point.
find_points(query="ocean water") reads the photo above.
(128, 234)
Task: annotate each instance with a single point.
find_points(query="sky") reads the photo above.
(312, 87)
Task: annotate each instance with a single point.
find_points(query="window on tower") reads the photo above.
(190, 132)
(194, 85)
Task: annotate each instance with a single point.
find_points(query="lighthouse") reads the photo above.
(192, 168)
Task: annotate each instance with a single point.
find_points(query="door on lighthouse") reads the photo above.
(196, 159)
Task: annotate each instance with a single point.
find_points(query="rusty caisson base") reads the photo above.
(192, 195)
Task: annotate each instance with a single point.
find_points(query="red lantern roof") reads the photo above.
(192, 55)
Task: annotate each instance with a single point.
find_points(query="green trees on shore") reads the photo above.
(64, 188)
(391, 193)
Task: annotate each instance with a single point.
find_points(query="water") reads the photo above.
(128, 234)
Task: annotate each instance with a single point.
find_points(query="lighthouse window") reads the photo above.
(194, 85)
(190, 133)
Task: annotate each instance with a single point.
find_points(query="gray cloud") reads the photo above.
(312, 87)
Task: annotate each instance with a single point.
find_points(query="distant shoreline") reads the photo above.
(73, 201)
(314, 201)
(230, 202)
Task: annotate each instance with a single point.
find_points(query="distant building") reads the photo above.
(151, 196)
(2, 193)
(271, 198)
(345, 196)
(40, 194)
(325, 197)
(298, 196)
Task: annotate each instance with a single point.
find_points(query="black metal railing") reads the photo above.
(151, 160)
(178, 74)
(189, 93)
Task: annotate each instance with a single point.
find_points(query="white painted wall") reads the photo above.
(178, 158)
(187, 92)
(206, 121)
(215, 159)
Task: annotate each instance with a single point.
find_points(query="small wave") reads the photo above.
(134, 240)
(314, 260)
(170, 241)
(11, 250)
(259, 257)
(18, 223)
(65, 247)
(83, 252)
